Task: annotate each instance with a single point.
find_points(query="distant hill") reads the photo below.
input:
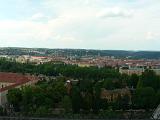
(80, 53)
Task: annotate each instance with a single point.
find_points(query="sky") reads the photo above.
(89, 24)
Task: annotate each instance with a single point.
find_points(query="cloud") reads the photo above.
(37, 16)
(98, 24)
(35, 34)
(152, 36)
(24, 30)
(115, 12)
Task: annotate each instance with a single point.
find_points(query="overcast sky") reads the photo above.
(91, 24)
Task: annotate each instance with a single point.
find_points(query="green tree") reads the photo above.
(134, 78)
(124, 102)
(14, 98)
(149, 79)
(76, 99)
(145, 98)
(124, 80)
(66, 103)
(27, 99)
(42, 111)
(158, 98)
(96, 96)
(1, 111)
(108, 84)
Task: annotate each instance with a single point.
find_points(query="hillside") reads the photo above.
(80, 53)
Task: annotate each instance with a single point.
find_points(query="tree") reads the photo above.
(66, 103)
(108, 84)
(87, 101)
(27, 99)
(56, 91)
(1, 111)
(76, 99)
(124, 102)
(145, 98)
(96, 96)
(158, 98)
(134, 80)
(14, 98)
(124, 80)
(42, 111)
(149, 79)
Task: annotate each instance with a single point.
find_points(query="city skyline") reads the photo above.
(88, 24)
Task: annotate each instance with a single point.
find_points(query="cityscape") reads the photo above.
(114, 83)
(79, 59)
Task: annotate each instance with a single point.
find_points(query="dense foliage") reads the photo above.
(56, 69)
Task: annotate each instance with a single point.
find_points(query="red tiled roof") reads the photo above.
(12, 77)
(15, 78)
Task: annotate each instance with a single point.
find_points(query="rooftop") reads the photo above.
(15, 78)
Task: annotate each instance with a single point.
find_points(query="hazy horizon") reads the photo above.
(84, 49)
(81, 24)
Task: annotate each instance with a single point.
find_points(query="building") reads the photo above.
(13, 80)
(112, 95)
(137, 70)
(69, 84)
(130, 71)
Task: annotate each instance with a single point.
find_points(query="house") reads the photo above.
(131, 70)
(13, 80)
(69, 84)
(112, 95)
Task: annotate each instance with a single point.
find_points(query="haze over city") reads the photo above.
(91, 24)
